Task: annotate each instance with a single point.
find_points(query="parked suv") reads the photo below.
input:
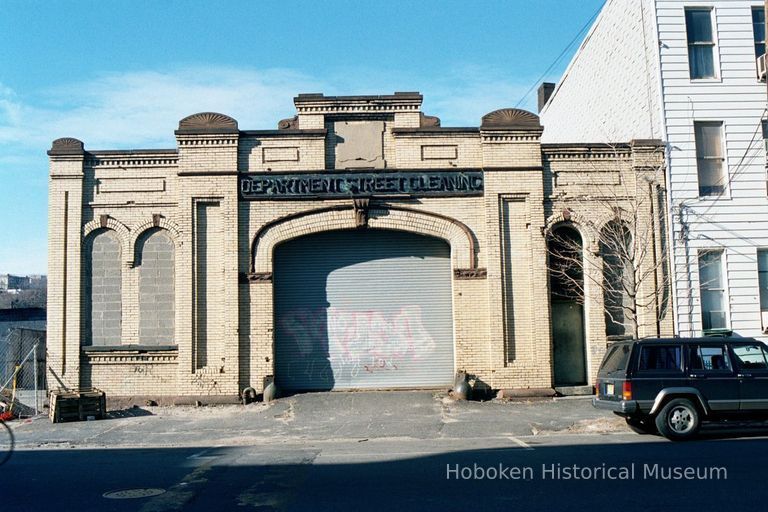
(671, 385)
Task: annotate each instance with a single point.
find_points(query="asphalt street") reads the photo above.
(369, 451)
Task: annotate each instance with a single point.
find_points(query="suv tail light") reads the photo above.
(626, 390)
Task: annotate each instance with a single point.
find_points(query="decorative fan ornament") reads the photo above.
(208, 121)
(511, 118)
(67, 145)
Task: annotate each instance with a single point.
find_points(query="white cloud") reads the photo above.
(142, 108)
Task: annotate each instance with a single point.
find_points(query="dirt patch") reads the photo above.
(220, 411)
(587, 426)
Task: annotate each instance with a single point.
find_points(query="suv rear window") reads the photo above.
(616, 359)
(660, 358)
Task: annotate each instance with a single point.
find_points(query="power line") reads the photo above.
(565, 50)
(739, 167)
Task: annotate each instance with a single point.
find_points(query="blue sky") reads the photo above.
(120, 75)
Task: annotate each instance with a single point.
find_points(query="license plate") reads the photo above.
(609, 389)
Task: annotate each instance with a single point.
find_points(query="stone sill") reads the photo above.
(131, 354)
(129, 348)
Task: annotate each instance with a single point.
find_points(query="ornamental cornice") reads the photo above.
(588, 155)
(132, 357)
(496, 138)
(358, 108)
(203, 141)
(394, 103)
(129, 161)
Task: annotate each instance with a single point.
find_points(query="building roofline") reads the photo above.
(97, 152)
(316, 132)
(437, 129)
(576, 55)
(315, 96)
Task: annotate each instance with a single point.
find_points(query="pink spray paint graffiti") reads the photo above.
(361, 341)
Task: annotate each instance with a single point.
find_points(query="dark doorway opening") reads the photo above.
(567, 306)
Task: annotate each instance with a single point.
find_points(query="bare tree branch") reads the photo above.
(629, 266)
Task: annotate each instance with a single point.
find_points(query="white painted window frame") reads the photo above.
(715, 44)
(763, 325)
(753, 8)
(726, 194)
(724, 277)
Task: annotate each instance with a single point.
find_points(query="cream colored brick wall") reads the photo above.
(590, 182)
(501, 321)
(283, 153)
(437, 151)
(207, 174)
(65, 190)
(129, 374)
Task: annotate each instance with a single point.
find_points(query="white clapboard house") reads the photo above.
(691, 73)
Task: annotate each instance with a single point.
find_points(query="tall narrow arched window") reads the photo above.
(102, 290)
(566, 264)
(618, 252)
(155, 262)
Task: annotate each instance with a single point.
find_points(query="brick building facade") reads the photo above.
(359, 245)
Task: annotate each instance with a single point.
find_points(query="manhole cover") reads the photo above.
(129, 494)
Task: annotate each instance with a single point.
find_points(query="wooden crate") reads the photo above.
(77, 405)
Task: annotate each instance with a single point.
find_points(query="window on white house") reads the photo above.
(764, 122)
(758, 30)
(712, 289)
(762, 278)
(710, 160)
(701, 43)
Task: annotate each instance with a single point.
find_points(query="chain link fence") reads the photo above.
(22, 372)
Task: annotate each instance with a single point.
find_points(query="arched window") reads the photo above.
(618, 254)
(566, 264)
(102, 290)
(155, 262)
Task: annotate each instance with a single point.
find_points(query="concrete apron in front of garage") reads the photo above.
(322, 417)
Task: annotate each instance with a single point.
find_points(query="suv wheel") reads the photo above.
(678, 420)
(641, 426)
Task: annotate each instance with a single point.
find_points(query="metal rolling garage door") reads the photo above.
(363, 309)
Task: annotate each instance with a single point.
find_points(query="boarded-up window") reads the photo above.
(102, 290)
(156, 288)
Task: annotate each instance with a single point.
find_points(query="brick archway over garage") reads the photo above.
(457, 234)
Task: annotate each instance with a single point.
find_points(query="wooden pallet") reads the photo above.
(77, 405)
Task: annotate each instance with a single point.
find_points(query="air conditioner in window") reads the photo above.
(761, 68)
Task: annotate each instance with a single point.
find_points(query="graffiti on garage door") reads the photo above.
(356, 341)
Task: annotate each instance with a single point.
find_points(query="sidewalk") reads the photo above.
(318, 417)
